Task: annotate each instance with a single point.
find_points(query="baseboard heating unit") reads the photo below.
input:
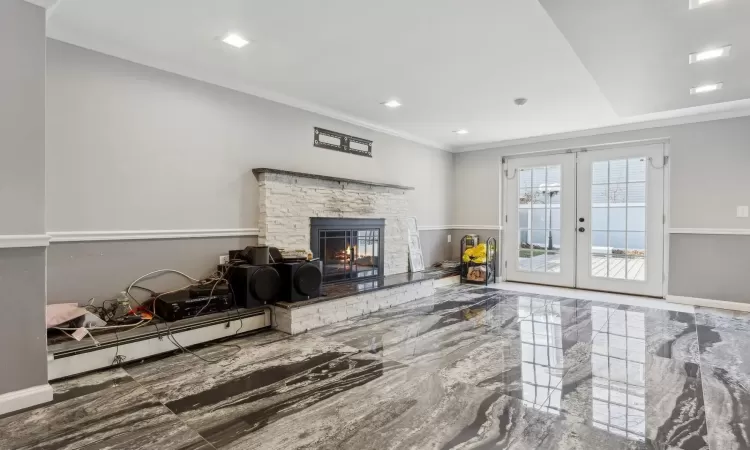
(71, 358)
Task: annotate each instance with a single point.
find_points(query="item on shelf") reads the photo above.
(471, 240)
(447, 264)
(252, 285)
(63, 313)
(258, 255)
(477, 273)
(296, 254)
(476, 254)
(416, 259)
(299, 280)
(478, 261)
(179, 305)
(209, 289)
(275, 255)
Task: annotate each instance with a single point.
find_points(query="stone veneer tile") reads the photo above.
(287, 203)
(299, 320)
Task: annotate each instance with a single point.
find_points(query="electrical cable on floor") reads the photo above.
(170, 335)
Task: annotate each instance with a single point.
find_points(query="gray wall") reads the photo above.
(134, 148)
(22, 270)
(79, 271)
(131, 147)
(709, 178)
(435, 246)
(714, 267)
(22, 43)
(24, 350)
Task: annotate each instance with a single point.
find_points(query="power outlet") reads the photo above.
(742, 211)
(449, 238)
(223, 259)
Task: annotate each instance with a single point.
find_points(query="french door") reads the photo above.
(589, 219)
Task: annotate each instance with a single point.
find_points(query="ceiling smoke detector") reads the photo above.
(520, 101)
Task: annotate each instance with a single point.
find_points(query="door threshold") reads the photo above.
(583, 294)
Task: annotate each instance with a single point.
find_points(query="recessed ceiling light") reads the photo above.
(710, 54)
(698, 3)
(702, 89)
(235, 40)
(462, 131)
(392, 103)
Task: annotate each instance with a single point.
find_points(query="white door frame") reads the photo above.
(667, 192)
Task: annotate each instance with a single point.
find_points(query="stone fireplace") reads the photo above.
(293, 206)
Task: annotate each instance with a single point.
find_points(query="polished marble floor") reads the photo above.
(470, 367)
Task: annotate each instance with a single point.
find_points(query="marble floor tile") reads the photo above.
(725, 359)
(669, 334)
(470, 367)
(410, 411)
(723, 338)
(533, 351)
(101, 410)
(257, 386)
(727, 398)
(652, 401)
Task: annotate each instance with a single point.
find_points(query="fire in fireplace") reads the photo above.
(349, 248)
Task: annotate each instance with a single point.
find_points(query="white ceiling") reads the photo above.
(452, 64)
(637, 50)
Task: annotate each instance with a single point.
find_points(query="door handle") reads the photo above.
(581, 229)
(581, 219)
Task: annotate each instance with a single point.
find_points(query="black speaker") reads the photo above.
(299, 280)
(254, 285)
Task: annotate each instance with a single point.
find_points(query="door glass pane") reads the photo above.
(618, 219)
(539, 212)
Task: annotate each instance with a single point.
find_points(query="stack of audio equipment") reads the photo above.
(260, 276)
(185, 304)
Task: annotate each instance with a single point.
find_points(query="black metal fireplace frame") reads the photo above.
(318, 224)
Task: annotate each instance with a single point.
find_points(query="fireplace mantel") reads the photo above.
(328, 178)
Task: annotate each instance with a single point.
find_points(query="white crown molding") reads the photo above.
(93, 236)
(714, 231)
(23, 240)
(25, 398)
(709, 303)
(46, 4)
(705, 113)
(459, 227)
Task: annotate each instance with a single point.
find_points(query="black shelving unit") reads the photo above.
(490, 263)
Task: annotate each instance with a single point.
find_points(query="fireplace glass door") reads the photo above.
(349, 254)
(350, 249)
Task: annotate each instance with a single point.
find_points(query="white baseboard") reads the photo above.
(65, 366)
(709, 303)
(25, 398)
